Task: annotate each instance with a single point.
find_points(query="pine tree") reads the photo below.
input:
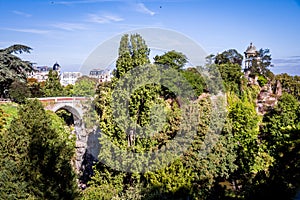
(13, 68)
(36, 153)
(52, 86)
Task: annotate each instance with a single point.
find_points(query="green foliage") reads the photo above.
(105, 185)
(144, 100)
(252, 154)
(245, 156)
(85, 86)
(195, 79)
(290, 84)
(2, 119)
(284, 116)
(133, 52)
(68, 90)
(213, 78)
(35, 87)
(230, 56)
(35, 157)
(171, 178)
(13, 68)
(52, 87)
(262, 80)
(231, 75)
(10, 111)
(245, 131)
(173, 59)
(66, 116)
(211, 155)
(229, 66)
(261, 65)
(18, 92)
(281, 132)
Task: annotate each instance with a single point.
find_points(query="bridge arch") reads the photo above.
(74, 111)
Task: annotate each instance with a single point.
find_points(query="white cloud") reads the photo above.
(35, 31)
(140, 7)
(70, 26)
(101, 19)
(21, 13)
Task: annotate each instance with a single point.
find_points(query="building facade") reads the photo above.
(67, 78)
(40, 73)
(101, 75)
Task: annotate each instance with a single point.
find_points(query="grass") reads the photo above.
(10, 111)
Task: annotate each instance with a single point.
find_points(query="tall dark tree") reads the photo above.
(36, 153)
(13, 68)
(18, 91)
(133, 52)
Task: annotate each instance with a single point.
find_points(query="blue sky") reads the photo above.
(68, 31)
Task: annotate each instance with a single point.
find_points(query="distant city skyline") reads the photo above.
(68, 31)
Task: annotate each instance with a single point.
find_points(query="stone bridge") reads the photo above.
(87, 144)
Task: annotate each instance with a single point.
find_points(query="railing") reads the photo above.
(62, 99)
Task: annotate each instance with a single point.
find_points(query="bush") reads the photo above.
(262, 81)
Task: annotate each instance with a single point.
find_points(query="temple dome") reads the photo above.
(56, 67)
(251, 49)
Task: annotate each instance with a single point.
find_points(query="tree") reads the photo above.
(133, 59)
(52, 86)
(285, 115)
(252, 154)
(85, 86)
(193, 76)
(68, 90)
(229, 64)
(262, 63)
(281, 130)
(36, 153)
(13, 68)
(290, 84)
(173, 59)
(35, 87)
(230, 56)
(133, 52)
(231, 75)
(18, 92)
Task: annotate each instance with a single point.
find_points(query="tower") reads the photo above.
(250, 54)
(56, 67)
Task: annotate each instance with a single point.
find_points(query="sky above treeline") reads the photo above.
(67, 32)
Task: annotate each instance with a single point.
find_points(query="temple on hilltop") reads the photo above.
(250, 54)
(268, 94)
